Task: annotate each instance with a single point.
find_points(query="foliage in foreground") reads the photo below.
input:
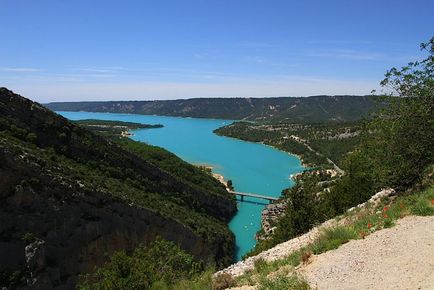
(162, 263)
(283, 282)
(399, 143)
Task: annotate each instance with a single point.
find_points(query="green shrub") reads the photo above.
(333, 238)
(162, 263)
(283, 282)
(422, 204)
(13, 279)
(260, 265)
(31, 137)
(294, 259)
(200, 282)
(29, 238)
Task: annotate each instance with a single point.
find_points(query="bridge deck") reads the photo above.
(243, 194)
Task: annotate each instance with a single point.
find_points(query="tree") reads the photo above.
(162, 262)
(400, 140)
(230, 185)
(32, 137)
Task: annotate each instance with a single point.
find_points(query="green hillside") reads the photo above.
(290, 109)
(82, 196)
(314, 143)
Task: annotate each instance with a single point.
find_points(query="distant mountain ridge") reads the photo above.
(290, 109)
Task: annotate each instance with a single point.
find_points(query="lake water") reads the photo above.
(253, 167)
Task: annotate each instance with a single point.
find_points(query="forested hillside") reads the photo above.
(317, 144)
(290, 109)
(70, 197)
(395, 149)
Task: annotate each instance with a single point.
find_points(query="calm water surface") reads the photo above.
(252, 167)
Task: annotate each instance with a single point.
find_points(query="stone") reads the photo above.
(35, 257)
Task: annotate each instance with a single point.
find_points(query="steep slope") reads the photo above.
(384, 243)
(76, 197)
(401, 257)
(291, 109)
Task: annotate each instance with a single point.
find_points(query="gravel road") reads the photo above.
(401, 257)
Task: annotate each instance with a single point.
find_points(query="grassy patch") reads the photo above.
(295, 258)
(201, 282)
(283, 282)
(332, 239)
(422, 204)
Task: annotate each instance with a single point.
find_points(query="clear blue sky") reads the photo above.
(99, 50)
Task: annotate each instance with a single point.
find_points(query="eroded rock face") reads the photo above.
(23, 197)
(77, 231)
(269, 217)
(35, 257)
(36, 264)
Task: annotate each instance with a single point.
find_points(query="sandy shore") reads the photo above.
(220, 178)
(217, 176)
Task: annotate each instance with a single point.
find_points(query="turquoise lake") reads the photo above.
(253, 167)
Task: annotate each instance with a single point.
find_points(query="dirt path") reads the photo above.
(401, 257)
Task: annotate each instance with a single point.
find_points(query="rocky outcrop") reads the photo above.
(75, 232)
(376, 198)
(284, 249)
(36, 264)
(269, 216)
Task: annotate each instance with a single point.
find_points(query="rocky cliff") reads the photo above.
(69, 198)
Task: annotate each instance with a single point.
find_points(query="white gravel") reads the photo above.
(280, 251)
(401, 257)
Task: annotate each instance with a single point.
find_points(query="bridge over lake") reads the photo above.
(243, 194)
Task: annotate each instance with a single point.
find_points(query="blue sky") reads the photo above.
(112, 50)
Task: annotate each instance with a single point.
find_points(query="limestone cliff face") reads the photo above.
(69, 199)
(79, 229)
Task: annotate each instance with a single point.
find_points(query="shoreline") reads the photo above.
(124, 113)
(302, 162)
(217, 176)
(217, 119)
(220, 178)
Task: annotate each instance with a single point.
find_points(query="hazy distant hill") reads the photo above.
(75, 197)
(292, 109)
